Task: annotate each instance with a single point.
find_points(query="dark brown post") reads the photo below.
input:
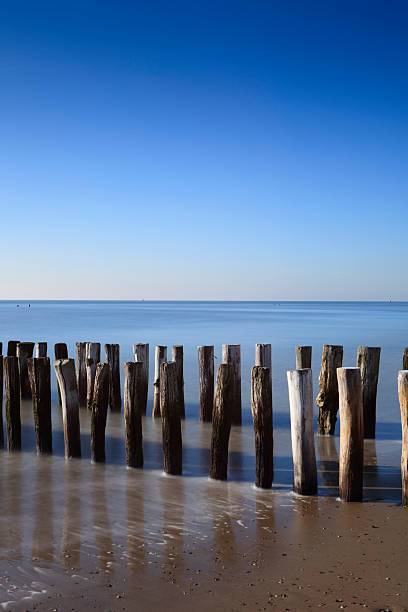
(39, 372)
(351, 434)
(178, 357)
(99, 412)
(221, 422)
(160, 357)
(231, 354)
(81, 372)
(134, 405)
(65, 371)
(303, 357)
(300, 386)
(206, 378)
(112, 357)
(12, 402)
(12, 348)
(171, 423)
(24, 351)
(261, 405)
(60, 352)
(141, 353)
(403, 401)
(368, 360)
(40, 349)
(1, 403)
(405, 359)
(328, 397)
(92, 358)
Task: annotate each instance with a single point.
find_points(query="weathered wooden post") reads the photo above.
(141, 353)
(171, 420)
(81, 372)
(92, 358)
(405, 359)
(40, 349)
(328, 397)
(24, 351)
(160, 356)
(12, 348)
(39, 372)
(221, 421)
(65, 371)
(206, 378)
(134, 406)
(112, 357)
(1, 403)
(261, 405)
(368, 360)
(351, 434)
(263, 357)
(60, 352)
(303, 357)
(403, 401)
(178, 356)
(300, 386)
(231, 354)
(99, 411)
(12, 402)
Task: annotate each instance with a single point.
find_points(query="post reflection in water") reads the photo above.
(71, 515)
(265, 518)
(218, 499)
(172, 495)
(43, 500)
(101, 522)
(11, 522)
(135, 528)
(328, 468)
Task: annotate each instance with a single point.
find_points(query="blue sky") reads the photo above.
(215, 150)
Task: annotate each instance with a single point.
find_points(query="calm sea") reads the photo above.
(283, 324)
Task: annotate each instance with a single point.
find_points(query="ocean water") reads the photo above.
(65, 523)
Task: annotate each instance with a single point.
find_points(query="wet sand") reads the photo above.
(77, 536)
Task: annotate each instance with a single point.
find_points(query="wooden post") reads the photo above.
(303, 357)
(178, 357)
(39, 372)
(263, 357)
(65, 371)
(403, 401)
(300, 386)
(221, 421)
(12, 348)
(405, 359)
(134, 406)
(170, 414)
(24, 351)
(92, 358)
(368, 360)
(81, 372)
(99, 411)
(40, 349)
(12, 402)
(112, 357)
(60, 352)
(141, 353)
(231, 354)
(1, 403)
(261, 405)
(206, 378)
(328, 397)
(160, 356)
(351, 434)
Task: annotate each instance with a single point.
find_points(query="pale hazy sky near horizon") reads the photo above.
(214, 150)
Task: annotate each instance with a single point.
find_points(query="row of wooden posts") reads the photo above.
(91, 383)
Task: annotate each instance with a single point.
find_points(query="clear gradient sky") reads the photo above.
(216, 150)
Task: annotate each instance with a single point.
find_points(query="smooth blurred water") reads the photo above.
(283, 324)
